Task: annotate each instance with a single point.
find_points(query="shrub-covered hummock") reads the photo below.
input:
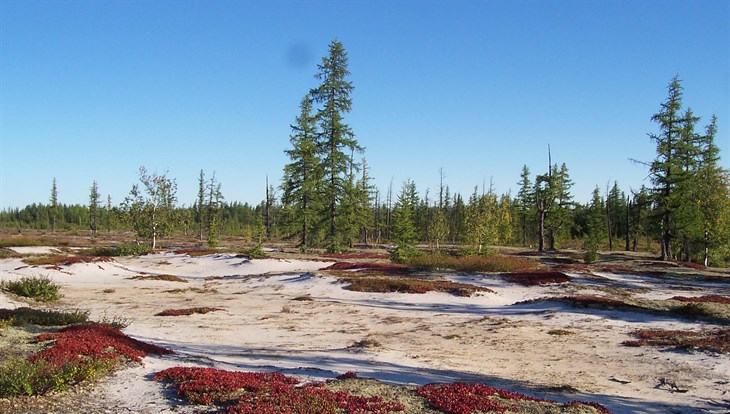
(79, 353)
(460, 398)
(267, 393)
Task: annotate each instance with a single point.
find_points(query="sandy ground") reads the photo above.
(433, 337)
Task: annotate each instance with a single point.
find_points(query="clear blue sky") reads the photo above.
(91, 90)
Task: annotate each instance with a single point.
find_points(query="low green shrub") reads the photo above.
(404, 253)
(256, 252)
(39, 288)
(24, 377)
(28, 316)
(123, 249)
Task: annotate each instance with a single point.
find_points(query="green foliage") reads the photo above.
(28, 316)
(122, 249)
(151, 210)
(303, 176)
(256, 252)
(36, 287)
(336, 141)
(403, 253)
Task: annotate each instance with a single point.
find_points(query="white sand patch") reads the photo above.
(281, 316)
(35, 250)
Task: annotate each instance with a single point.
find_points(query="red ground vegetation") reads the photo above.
(81, 343)
(65, 260)
(536, 278)
(409, 285)
(460, 398)
(587, 301)
(266, 393)
(355, 256)
(716, 340)
(387, 267)
(187, 311)
(701, 299)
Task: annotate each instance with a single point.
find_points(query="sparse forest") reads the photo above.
(327, 200)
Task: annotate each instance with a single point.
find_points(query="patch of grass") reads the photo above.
(65, 260)
(122, 249)
(26, 241)
(409, 285)
(40, 288)
(29, 316)
(703, 299)
(716, 340)
(187, 311)
(197, 252)
(472, 263)
(366, 266)
(8, 254)
(303, 298)
(166, 278)
(560, 332)
(366, 343)
(693, 310)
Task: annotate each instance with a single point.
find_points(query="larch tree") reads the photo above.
(200, 206)
(666, 169)
(94, 203)
(54, 205)
(213, 210)
(303, 179)
(713, 198)
(525, 201)
(596, 228)
(336, 139)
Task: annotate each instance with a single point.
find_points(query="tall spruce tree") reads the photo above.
(94, 202)
(303, 180)
(336, 139)
(525, 202)
(54, 205)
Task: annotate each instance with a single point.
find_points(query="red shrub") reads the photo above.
(356, 256)
(77, 343)
(537, 278)
(717, 340)
(460, 398)
(706, 298)
(408, 285)
(367, 266)
(261, 393)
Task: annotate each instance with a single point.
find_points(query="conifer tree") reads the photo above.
(595, 227)
(54, 205)
(303, 180)
(200, 206)
(666, 169)
(525, 201)
(336, 139)
(94, 202)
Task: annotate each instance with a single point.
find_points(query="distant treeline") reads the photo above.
(327, 199)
